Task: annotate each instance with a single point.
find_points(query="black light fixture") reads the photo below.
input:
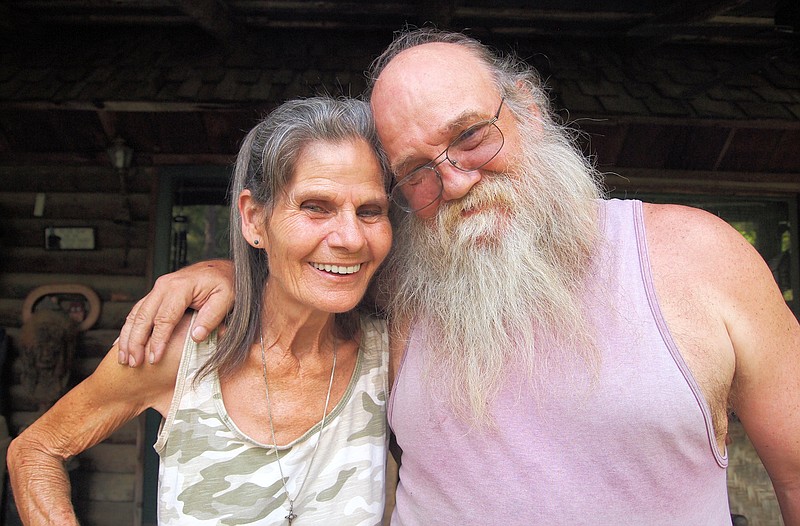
(121, 155)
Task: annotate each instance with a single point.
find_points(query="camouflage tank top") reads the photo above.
(212, 473)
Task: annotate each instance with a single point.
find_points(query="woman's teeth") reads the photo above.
(337, 269)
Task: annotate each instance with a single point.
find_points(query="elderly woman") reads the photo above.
(280, 419)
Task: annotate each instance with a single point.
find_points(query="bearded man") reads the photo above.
(559, 358)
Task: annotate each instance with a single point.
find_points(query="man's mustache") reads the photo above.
(495, 191)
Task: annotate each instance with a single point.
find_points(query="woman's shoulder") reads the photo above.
(373, 329)
(373, 322)
(374, 338)
(181, 343)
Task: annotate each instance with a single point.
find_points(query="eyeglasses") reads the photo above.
(470, 151)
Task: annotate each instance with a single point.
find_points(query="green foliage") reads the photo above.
(206, 229)
(748, 231)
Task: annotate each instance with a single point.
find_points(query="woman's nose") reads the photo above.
(348, 232)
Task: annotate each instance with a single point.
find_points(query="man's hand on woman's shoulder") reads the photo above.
(206, 286)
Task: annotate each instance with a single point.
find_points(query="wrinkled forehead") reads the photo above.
(424, 90)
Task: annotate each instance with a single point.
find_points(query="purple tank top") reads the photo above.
(636, 447)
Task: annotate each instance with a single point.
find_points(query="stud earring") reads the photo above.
(255, 242)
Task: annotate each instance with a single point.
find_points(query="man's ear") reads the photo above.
(252, 214)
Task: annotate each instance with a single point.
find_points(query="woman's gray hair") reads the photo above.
(265, 165)
(517, 81)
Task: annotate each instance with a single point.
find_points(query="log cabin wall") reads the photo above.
(107, 478)
(722, 119)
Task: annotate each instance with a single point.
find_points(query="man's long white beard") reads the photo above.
(495, 274)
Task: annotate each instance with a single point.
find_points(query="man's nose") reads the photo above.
(456, 183)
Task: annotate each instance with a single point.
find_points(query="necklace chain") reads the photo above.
(292, 515)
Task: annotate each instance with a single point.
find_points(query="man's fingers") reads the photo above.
(149, 325)
(162, 331)
(211, 315)
(129, 346)
(157, 326)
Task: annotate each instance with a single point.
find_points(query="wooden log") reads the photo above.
(91, 344)
(105, 261)
(31, 232)
(98, 486)
(110, 458)
(76, 179)
(85, 206)
(17, 285)
(105, 513)
(112, 313)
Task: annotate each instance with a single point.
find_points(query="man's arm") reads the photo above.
(206, 286)
(738, 289)
(85, 416)
(766, 387)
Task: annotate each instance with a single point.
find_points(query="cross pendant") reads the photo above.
(292, 515)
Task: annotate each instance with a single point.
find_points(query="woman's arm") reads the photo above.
(85, 416)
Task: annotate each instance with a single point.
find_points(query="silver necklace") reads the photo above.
(292, 515)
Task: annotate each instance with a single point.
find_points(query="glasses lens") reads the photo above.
(476, 146)
(417, 190)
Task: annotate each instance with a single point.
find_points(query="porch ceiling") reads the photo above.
(703, 86)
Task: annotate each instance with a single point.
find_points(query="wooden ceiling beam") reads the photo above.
(681, 13)
(214, 17)
(229, 21)
(437, 12)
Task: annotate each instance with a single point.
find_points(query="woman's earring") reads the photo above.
(255, 242)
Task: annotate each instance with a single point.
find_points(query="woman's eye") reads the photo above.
(372, 211)
(313, 207)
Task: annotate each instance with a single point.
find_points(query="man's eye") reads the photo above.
(470, 138)
(414, 178)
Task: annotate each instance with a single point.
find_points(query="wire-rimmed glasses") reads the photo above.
(470, 151)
